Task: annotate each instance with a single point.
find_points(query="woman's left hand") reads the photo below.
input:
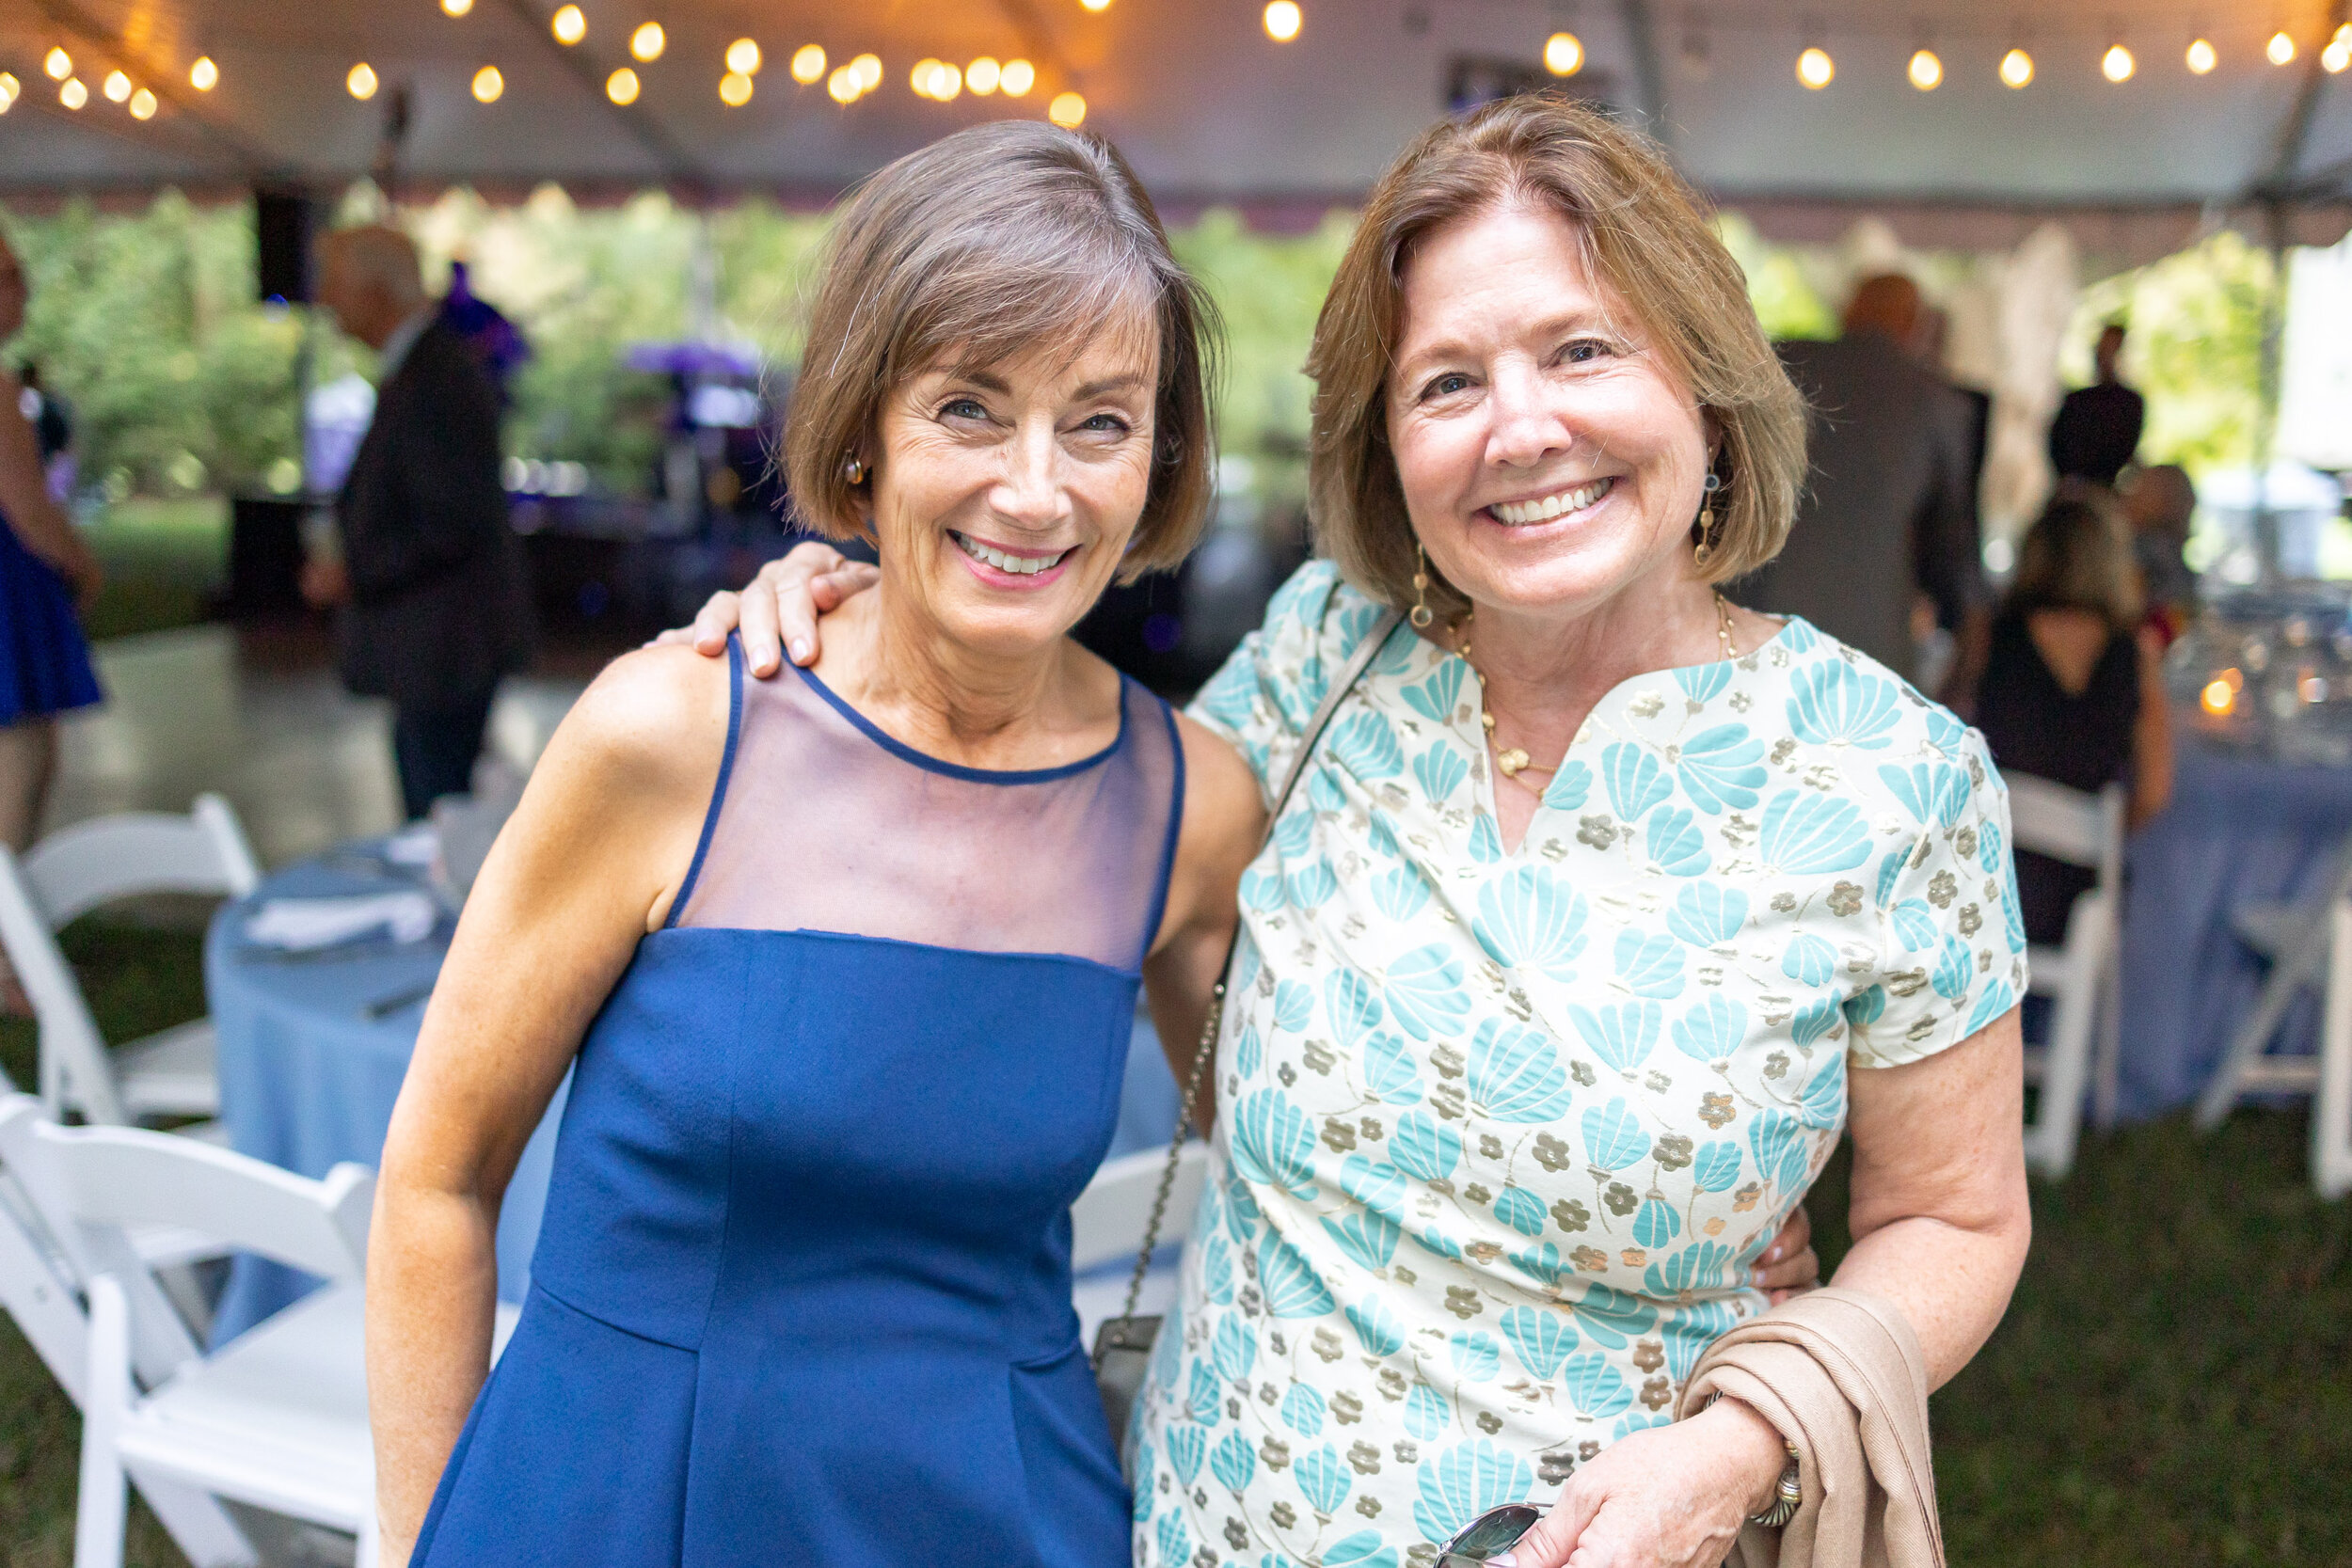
(1673, 1497)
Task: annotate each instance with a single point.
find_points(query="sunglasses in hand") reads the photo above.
(1489, 1535)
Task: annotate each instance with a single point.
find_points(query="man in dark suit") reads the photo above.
(1889, 513)
(435, 608)
(2097, 429)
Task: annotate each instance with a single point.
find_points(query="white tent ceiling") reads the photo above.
(1206, 105)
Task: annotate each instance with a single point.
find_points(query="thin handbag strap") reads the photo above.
(1206, 1049)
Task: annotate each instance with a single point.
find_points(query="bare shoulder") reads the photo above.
(1224, 814)
(653, 721)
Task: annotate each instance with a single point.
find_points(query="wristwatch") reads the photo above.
(1790, 1494)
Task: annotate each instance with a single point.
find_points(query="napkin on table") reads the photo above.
(299, 924)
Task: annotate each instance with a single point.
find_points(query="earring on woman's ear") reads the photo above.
(853, 469)
(1421, 615)
(1706, 549)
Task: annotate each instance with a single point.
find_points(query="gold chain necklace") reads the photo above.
(1513, 760)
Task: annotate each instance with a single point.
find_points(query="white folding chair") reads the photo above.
(277, 1419)
(75, 870)
(40, 1288)
(1107, 1225)
(2305, 947)
(2081, 974)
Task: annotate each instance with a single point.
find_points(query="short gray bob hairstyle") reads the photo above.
(986, 245)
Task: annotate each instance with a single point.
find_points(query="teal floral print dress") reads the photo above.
(1499, 1136)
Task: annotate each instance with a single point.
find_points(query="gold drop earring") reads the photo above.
(1421, 615)
(1706, 549)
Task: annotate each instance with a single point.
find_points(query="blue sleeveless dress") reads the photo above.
(44, 660)
(801, 1292)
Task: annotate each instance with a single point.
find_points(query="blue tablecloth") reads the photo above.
(2240, 829)
(308, 1078)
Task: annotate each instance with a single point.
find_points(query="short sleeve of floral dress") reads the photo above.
(1500, 1135)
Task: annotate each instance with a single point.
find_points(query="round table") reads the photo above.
(313, 1047)
(2241, 829)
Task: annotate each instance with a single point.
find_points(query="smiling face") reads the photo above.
(1549, 458)
(1005, 496)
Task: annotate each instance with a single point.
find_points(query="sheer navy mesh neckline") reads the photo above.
(823, 823)
(924, 760)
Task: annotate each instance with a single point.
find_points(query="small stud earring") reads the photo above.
(1421, 615)
(853, 469)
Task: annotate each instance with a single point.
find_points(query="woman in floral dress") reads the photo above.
(1603, 909)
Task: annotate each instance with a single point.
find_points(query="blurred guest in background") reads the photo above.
(2097, 428)
(44, 664)
(52, 418)
(2071, 688)
(1890, 514)
(2160, 502)
(430, 577)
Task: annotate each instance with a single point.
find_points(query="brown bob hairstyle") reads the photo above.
(1648, 242)
(981, 247)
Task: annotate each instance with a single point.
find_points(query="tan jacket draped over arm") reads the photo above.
(1840, 1374)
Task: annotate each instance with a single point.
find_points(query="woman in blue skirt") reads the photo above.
(44, 662)
(845, 965)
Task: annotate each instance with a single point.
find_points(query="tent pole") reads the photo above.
(2267, 390)
(2274, 191)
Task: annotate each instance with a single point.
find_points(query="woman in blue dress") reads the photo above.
(844, 966)
(44, 662)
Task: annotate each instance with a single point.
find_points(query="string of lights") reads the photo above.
(2207, 36)
(2244, 31)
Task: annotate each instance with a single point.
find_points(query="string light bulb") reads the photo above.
(9, 87)
(58, 64)
(622, 86)
(1283, 20)
(456, 8)
(743, 57)
(1096, 5)
(142, 104)
(841, 86)
(2338, 53)
(735, 88)
(2117, 64)
(983, 74)
(2280, 48)
(808, 63)
(569, 25)
(117, 86)
(1926, 71)
(487, 85)
(935, 80)
(868, 69)
(72, 93)
(1018, 78)
(361, 81)
(1069, 111)
(203, 75)
(2203, 56)
(1563, 53)
(2016, 68)
(1814, 68)
(648, 41)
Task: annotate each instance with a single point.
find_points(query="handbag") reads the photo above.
(1122, 1345)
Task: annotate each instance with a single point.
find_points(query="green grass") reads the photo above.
(2173, 1384)
(163, 558)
